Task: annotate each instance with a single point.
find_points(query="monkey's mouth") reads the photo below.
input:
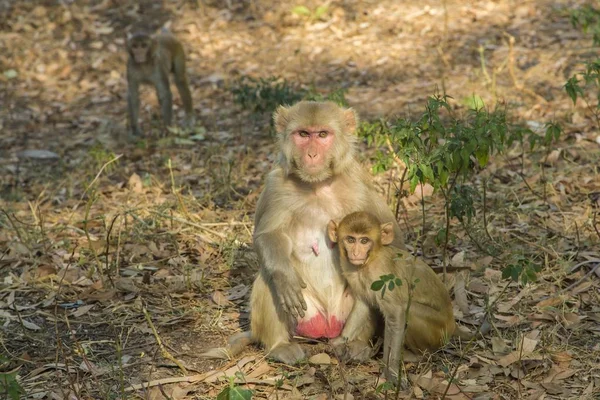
(357, 261)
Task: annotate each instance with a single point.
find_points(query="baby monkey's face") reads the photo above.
(357, 248)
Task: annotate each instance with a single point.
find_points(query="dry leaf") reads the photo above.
(460, 293)
(30, 325)
(320, 359)
(82, 310)
(238, 292)
(219, 298)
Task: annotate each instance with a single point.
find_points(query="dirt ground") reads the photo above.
(120, 262)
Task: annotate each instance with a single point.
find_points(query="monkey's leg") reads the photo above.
(183, 87)
(270, 327)
(353, 343)
(133, 105)
(428, 329)
(165, 98)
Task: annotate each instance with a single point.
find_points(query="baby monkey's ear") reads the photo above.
(387, 233)
(332, 231)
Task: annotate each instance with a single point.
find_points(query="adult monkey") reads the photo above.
(299, 289)
(151, 59)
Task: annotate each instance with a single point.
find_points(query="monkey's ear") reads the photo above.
(351, 120)
(387, 233)
(332, 231)
(281, 117)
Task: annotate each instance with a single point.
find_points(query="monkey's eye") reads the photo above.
(364, 240)
(303, 134)
(350, 239)
(323, 134)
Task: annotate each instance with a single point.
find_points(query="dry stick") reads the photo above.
(108, 232)
(106, 164)
(165, 353)
(397, 159)
(90, 247)
(59, 343)
(485, 224)
(175, 191)
(118, 255)
(195, 225)
(511, 70)
(594, 224)
(545, 250)
(17, 231)
(583, 278)
(233, 223)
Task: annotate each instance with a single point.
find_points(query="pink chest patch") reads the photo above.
(319, 327)
(315, 248)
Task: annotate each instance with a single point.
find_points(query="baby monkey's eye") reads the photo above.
(350, 240)
(364, 240)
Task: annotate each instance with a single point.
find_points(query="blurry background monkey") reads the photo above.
(151, 59)
(366, 256)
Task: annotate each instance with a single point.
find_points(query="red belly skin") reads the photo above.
(319, 327)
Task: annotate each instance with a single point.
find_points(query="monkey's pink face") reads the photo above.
(357, 249)
(313, 145)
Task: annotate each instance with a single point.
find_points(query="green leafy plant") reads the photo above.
(9, 386)
(338, 96)
(101, 157)
(588, 19)
(263, 95)
(522, 270)
(386, 282)
(234, 392)
(442, 150)
(319, 13)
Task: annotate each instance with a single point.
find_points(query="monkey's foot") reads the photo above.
(355, 350)
(189, 121)
(392, 376)
(287, 353)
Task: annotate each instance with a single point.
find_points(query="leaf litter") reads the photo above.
(84, 252)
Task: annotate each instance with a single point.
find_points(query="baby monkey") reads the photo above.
(151, 59)
(366, 256)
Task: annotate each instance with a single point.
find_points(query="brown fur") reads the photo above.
(151, 59)
(294, 209)
(430, 317)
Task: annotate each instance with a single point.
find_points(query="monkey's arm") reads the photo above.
(274, 247)
(393, 338)
(274, 250)
(133, 101)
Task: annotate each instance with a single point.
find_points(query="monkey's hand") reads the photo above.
(288, 287)
(354, 350)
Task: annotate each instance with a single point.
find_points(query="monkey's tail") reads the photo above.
(235, 345)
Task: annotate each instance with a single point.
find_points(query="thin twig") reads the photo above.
(511, 70)
(583, 278)
(195, 225)
(165, 353)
